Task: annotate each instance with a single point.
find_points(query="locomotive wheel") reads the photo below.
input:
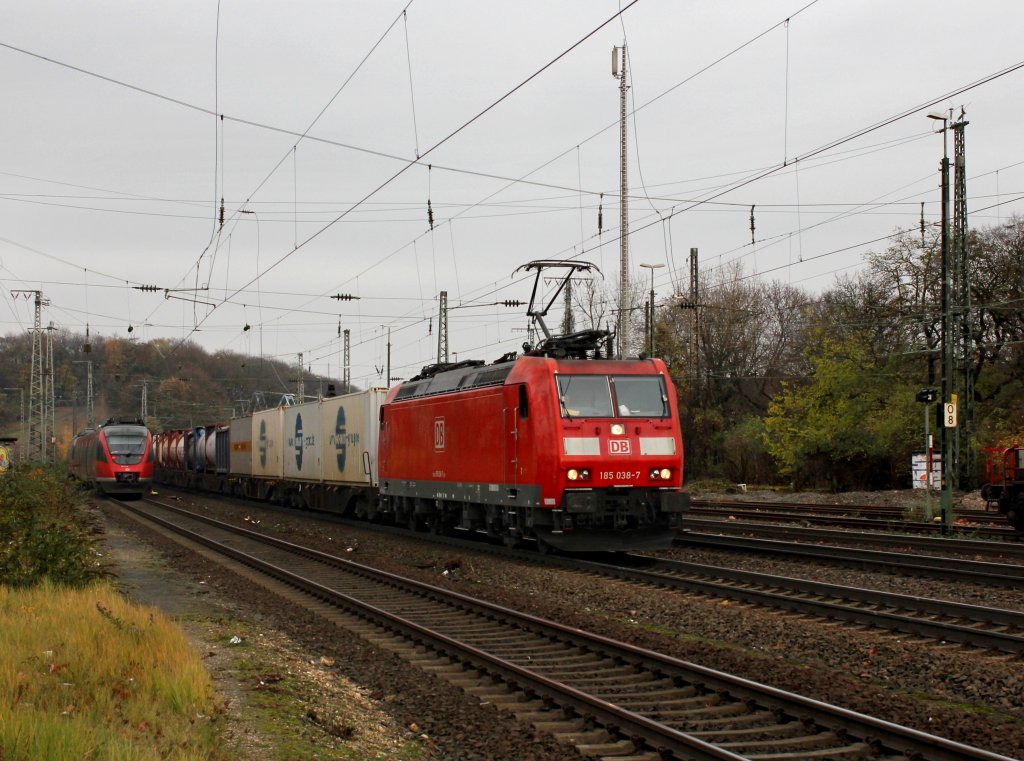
(544, 548)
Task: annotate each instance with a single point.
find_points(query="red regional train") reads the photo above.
(116, 458)
(560, 445)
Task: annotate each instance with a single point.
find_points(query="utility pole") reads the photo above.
(442, 330)
(347, 373)
(568, 323)
(947, 403)
(301, 382)
(650, 313)
(693, 306)
(36, 444)
(962, 284)
(619, 70)
(50, 418)
(88, 390)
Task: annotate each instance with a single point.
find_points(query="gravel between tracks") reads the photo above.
(965, 695)
(400, 705)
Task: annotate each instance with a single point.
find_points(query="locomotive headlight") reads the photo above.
(578, 474)
(618, 429)
(585, 474)
(573, 474)
(661, 474)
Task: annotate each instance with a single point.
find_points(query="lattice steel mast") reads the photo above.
(442, 328)
(36, 445)
(619, 70)
(963, 444)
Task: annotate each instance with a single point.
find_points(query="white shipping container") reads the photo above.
(349, 426)
(302, 444)
(267, 443)
(241, 446)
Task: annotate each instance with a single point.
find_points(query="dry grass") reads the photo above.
(86, 675)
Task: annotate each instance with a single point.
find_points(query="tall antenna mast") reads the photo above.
(619, 70)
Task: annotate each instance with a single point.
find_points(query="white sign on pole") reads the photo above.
(949, 415)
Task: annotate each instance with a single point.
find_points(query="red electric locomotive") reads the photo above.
(559, 445)
(116, 458)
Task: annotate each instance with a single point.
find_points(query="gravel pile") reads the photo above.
(966, 695)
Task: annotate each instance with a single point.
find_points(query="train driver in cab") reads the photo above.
(585, 396)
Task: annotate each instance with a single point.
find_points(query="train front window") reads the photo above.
(640, 396)
(584, 396)
(125, 441)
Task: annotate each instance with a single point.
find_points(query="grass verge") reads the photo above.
(86, 675)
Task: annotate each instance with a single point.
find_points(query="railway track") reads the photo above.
(611, 699)
(927, 566)
(982, 627)
(942, 620)
(978, 522)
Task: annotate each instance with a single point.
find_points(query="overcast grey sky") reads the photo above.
(114, 161)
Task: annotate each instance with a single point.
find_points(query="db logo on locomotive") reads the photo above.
(618, 446)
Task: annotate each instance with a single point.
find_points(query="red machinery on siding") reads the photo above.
(1004, 472)
(116, 458)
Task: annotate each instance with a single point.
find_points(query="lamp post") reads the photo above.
(948, 468)
(650, 336)
(24, 434)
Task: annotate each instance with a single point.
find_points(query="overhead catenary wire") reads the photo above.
(666, 225)
(436, 145)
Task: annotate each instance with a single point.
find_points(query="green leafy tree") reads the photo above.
(852, 424)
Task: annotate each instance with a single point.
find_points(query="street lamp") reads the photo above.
(946, 500)
(650, 334)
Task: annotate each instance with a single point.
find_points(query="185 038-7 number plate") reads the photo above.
(618, 475)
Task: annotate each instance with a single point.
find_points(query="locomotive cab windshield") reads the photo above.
(127, 444)
(612, 396)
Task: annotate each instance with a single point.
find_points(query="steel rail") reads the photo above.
(975, 547)
(824, 515)
(905, 612)
(869, 734)
(827, 508)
